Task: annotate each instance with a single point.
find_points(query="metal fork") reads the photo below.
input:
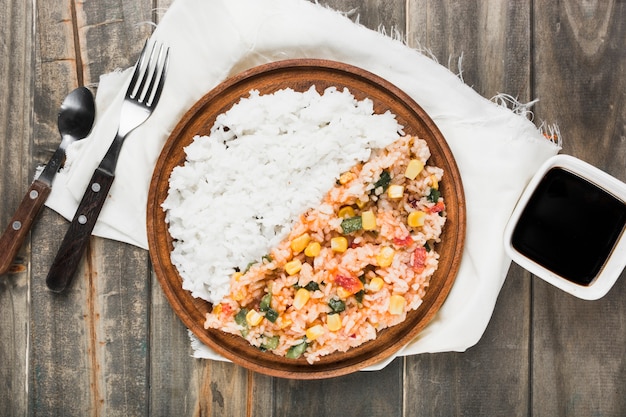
(141, 98)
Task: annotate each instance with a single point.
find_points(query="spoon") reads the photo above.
(76, 118)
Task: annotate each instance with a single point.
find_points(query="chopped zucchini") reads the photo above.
(351, 224)
(336, 305)
(383, 181)
(270, 343)
(434, 195)
(240, 319)
(296, 351)
(271, 315)
(265, 302)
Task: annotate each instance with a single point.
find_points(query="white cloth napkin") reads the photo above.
(497, 150)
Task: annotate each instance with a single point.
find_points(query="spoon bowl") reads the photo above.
(77, 114)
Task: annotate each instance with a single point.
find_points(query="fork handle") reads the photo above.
(19, 226)
(77, 236)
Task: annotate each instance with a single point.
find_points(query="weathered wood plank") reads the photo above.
(120, 304)
(365, 393)
(111, 34)
(579, 69)
(579, 347)
(59, 365)
(89, 354)
(579, 358)
(175, 377)
(491, 378)
(384, 15)
(16, 92)
(486, 43)
(223, 390)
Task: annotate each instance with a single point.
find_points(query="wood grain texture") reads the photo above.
(489, 379)
(89, 355)
(16, 91)
(388, 16)
(365, 393)
(580, 62)
(579, 348)
(487, 43)
(174, 376)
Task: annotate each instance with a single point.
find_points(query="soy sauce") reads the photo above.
(570, 226)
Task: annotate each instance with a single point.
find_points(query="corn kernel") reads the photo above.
(413, 169)
(368, 220)
(301, 298)
(346, 211)
(238, 295)
(416, 218)
(313, 249)
(217, 310)
(395, 191)
(293, 267)
(314, 332)
(254, 318)
(396, 304)
(339, 244)
(376, 284)
(434, 183)
(333, 322)
(237, 276)
(299, 244)
(343, 293)
(361, 203)
(283, 322)
(346, 177)
(385, 256)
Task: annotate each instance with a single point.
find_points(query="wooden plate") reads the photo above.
(300, 75)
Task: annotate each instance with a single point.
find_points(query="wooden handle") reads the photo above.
(17, 230)
(77, 236)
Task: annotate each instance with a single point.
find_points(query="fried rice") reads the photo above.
(350, 267)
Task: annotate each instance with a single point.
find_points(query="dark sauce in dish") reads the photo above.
(569, 226)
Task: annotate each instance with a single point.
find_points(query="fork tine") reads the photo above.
(160, 70)
(137, 72)
(139, 92)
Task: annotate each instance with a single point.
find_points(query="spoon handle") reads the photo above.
(19, 226)
(77, 236)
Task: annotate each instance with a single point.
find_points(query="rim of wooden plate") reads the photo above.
(300, 74)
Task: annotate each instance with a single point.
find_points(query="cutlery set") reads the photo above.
(75, 121)
(76, 118)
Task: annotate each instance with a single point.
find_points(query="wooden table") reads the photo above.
(112, 345)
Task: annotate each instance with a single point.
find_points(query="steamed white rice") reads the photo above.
(266, 161)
